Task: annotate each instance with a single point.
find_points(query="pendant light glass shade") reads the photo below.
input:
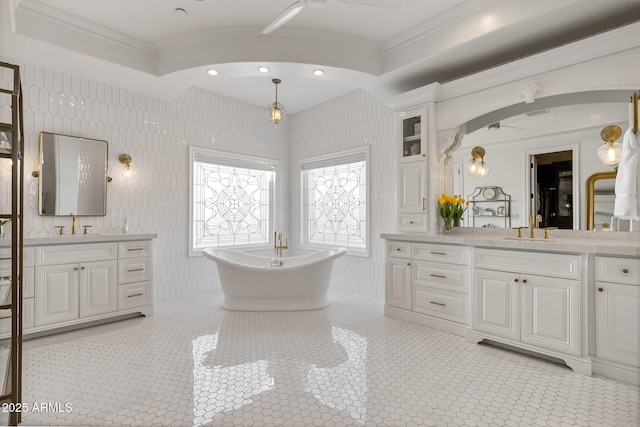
(275, 112)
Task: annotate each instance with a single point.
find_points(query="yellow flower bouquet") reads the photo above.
(452, 209)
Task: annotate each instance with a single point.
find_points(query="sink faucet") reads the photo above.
(531, 227)
(73, 224)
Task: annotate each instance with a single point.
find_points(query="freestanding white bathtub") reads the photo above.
(249, 283)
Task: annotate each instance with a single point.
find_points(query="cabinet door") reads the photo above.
(618, 323)
(412, 187)
(56, 296)
(551, 313)
(398, 283)
(98, 288)
(495, 304)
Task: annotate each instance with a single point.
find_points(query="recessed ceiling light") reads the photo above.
(318, 72)
(263, 69)
(212, 72)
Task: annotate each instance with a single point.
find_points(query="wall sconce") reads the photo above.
(126, 159)
(477, 166)
(609, 153)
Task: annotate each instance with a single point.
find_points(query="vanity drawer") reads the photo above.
(618, 270)
(399, 249)
(136, 249)
(5, 258)
(134, 295)
(539, 263)
(28, 281)
(449, 254)
(441, 304)
(71, 254)
(412, 222)
(441, 276)
(134, 270)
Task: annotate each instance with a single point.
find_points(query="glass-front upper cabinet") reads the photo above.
(413, 144)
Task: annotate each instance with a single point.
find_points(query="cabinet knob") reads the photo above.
(75, 268)
(625, 271)
(410, 222)
(524, 280)
(398, 249)
(516, 280)
(81, 268)
(408, 263)
(600, 290)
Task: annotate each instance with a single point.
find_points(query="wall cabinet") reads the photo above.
(412, 196)
(618, 314)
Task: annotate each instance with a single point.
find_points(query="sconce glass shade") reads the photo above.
(476, 166)
(275, 112)
(127, 172)
(610, 153)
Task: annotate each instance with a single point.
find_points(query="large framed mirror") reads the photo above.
(601, 197)
(72, 175)
(523, 144)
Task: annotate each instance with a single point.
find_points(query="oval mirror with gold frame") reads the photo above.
(600, 199)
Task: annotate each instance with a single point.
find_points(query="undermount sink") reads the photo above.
(529, 239)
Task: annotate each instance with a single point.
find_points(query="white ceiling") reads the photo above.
(146, 45)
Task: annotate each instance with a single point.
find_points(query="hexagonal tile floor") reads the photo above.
(193, 363)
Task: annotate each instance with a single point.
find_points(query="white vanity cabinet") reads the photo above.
(428, 283)
(68, 282)
(412, 196)
(75, 281)
(532, 300)
(398, 275)
(618, 315)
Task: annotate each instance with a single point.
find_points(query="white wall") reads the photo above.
(156, 133)
(354, 120)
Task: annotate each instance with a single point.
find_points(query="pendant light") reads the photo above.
(477, 166)
(609, 153)
(275, 111)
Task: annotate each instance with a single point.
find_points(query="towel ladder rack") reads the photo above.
(634, 99)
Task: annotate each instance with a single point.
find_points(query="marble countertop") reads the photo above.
(68, 239)
(625, 244)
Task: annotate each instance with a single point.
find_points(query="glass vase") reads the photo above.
(448, 223)
(456, 222)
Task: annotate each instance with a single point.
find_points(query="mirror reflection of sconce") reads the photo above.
(477, 166)
(126, 159)
(609, 153)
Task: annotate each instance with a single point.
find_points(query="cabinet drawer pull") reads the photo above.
(437, 303)
(625, 271)
(437, 253)
(600, 290)
(438, 275)
(410, 222)
(134, 249)
(135, 295)
(398, 249)
(424, 199)
(135, 269)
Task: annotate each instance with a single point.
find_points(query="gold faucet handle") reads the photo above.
(519, 230)
(85, 228)
(61, 229)
(546, 229)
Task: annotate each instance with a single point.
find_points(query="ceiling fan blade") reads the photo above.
(383, 3)
(285, 16)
